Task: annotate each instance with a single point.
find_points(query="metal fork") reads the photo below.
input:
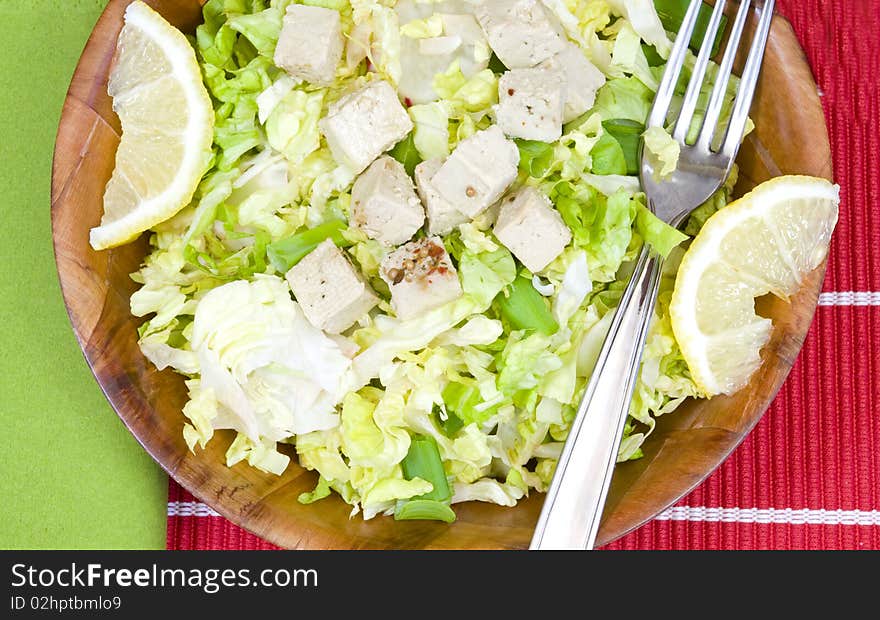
(576, 497)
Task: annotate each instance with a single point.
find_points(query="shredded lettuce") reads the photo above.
(474, 94)
(628, 57)
(273, 372)
(431, 132)
(662, 150)
(645, 21)
(292, 126)
(658, 234)
(601, 225)
(423, 28)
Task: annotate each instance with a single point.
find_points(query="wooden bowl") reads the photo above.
(686, 446)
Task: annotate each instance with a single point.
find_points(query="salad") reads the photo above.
(406, 248)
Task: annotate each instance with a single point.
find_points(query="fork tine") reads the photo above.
(689, 104)
(748, 82)
(666, 90)
(716, 100)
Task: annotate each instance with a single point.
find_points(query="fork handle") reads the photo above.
(574, 502)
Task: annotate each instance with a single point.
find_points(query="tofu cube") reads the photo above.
(519, 32)
(531, 104)
(384, 203)
(329, 289)
(363, 124)
(421, 277)
(442, 215)
(582, 80)
(478, 171)
(310, 43)
(531, 228)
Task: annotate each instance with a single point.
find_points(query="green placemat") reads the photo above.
(71, 476)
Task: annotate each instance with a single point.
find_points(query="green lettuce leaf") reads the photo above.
(644, 20)
(569, 158)
(431, 132)
(262, 28)
(373, 428)
(322, 490)
(423, 28)
(487, 490)
(658, 234)
(475, 94)
(624, 98)
(524, 361)
(259, 454)
(484, 275)
(292, 127)
(385, 48)
(320, 451)
(156, 347)
(607, 156)
(662, 151)
(392, 338)
(629, 58)
(380, 495)
(601, 226)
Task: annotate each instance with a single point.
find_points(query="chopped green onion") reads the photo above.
(452, 424)
(671, 13)
(525, 308)
(627, 134)
(423, 461)
(286, 253)
(424, 509)
(652, 56)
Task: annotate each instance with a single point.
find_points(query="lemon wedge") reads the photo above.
(765, 242)
(167, 128)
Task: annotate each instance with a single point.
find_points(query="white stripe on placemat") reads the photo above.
(850, 298)
(190, 509)
(804, 516)
(792, 516)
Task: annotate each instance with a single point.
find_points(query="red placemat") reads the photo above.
(808, 476)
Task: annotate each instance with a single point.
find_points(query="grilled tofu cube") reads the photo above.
(384, 203)
(582, 80)
(442, 215)
(478, 171)
(310, 43)
(421, 277)
(519, 32)
(363, 124)
(531, 104)
(531, 228)
(329, 289)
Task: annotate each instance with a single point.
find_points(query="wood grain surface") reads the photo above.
(790, 137)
